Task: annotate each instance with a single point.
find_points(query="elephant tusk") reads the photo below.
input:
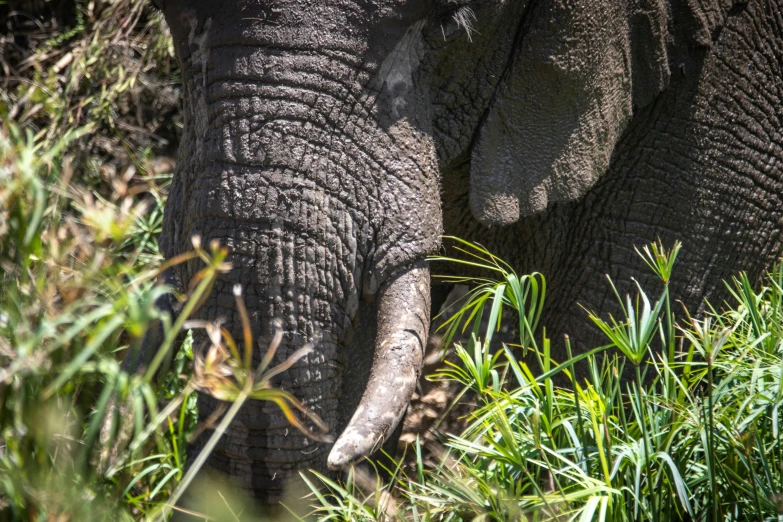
(403, 325)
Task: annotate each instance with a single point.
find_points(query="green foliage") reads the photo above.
(524, 294)
(78, 266)
(694, 435)
(66, 306)
(81, 207)
(82, 438)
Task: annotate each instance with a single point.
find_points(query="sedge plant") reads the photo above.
(692, 434)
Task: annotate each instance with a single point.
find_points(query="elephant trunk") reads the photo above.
(293, 159)
(403, 325)
(260, 450)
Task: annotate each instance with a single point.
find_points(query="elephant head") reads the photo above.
(317, 135)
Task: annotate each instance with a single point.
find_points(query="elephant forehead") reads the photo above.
(312, 24)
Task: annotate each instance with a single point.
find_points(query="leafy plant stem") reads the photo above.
(172, 333)
(646, 437)
(711, 442)
(204, 454)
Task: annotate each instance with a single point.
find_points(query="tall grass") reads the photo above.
(67, 305)
(80, 438)
(693, 435)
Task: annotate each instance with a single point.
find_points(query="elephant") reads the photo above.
(330, 145)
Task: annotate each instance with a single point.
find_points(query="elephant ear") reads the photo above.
(580, 68)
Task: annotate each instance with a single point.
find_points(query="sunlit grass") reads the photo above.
(694, 435)
(81, 437)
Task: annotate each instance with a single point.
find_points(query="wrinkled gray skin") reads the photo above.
(330, 143)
